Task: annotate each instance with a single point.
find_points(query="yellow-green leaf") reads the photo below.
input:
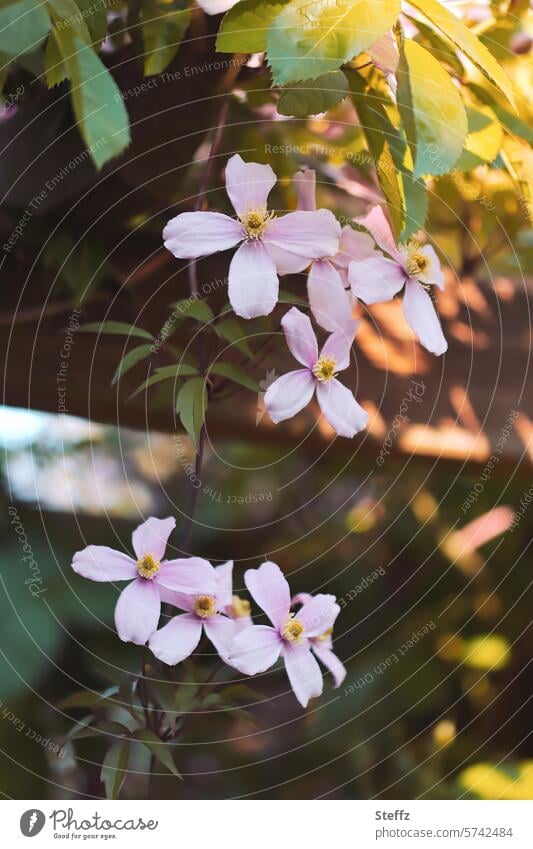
(484, 139)
(308, 39)
(24, 24)
(163, 28)
(191, 405)
(115, 768)
(244, 27)
(311, 97)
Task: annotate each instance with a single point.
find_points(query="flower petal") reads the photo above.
(376, 280)
(307, 234)
(216, 7)
(137, 611)
(193, 234)
(152, 536)
(183, 601)
(329, 301)
(300, 337)
(305, 184)
(289, 394)
(384, 53)
(378, 227)
(301, 598)
(303, 671)
(339, 344)
(248, 184)
(221, 632)
(285, 261)
(353, 245)
(176, 640)
(253, 283)
(331, 662)
(191, 575)
(224, 579)
(436, 275)
(100, 563)
(318, 615)
(340, 408)
(421, 317)
(270, 590)
(255, 649)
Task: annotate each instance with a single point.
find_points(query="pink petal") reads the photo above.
(318, 614)
(221, 632)
(308, 234)
(301, 598)
(248, 184)
(270, 590)
(224, 579)
(353, 245)
(216, 7)
(376, 280)
(339, 344)
(300, 337)
(289, 394)
(384, 53)
(340, 408)
(253, 281)
(255, 649)
(378, 226)
(303, 671)
(183, 601)
(421, 317)
(193, 234)
(331, 662)
(437, 275)
(152, 536)
(329, 301)
(191, 575)
(176, 640)
(305, 183)
(285, 261)
(100, 563)
(137, 611)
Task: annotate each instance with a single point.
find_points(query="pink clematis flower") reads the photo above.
(267, 243)
(327, 280)
(258, 647)
(178, 638)
(413, 266)
(139, 605)
(291, 392)
(322, 646)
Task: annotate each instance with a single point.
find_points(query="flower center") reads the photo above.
(240, 607)
(148, 566)
(324, 369)
(255, 222)
(292, 630)
(205, 605)
(325, 636)
(416, 262)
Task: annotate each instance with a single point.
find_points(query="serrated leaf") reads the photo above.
(193, 308)
(511, 122)
(130, 359)
(54, 66)
(115, 768)
(311, 97)
(231, 331)
(308, 39)
(117, 327)
(166, 373)
(468, 42)
(191, 405)
(416, 204)
(432, 111)
(158, 749)
(68, 24)
(164, 25)
(244, 27)
(24, 24)
(236, 374)
(95, 19)
(484, 139)
(518, 160)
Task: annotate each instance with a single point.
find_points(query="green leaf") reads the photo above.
(24, 24)
(163, 28)
(484, 139)
(237, 374)
(117, 327)
(308, 39)
(468, 42)
(511, 122)
(416, 204)
(158, 749)
(55, 68)
(166, 373)
(193, 308)
(518, 160)
(95, 19)
(313, 96)
(130, 359)
(244, 28)
(85, 698)
(432, 111)
(67, 25)
(191, 405)
(115, 768)
(231, 331)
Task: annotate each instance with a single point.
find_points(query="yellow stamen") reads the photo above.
(148, 566)
(205, 605)
(240, 607)
(292, 630)
(324, 369)
(325, 636)
(255, 222)
(416, 261)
